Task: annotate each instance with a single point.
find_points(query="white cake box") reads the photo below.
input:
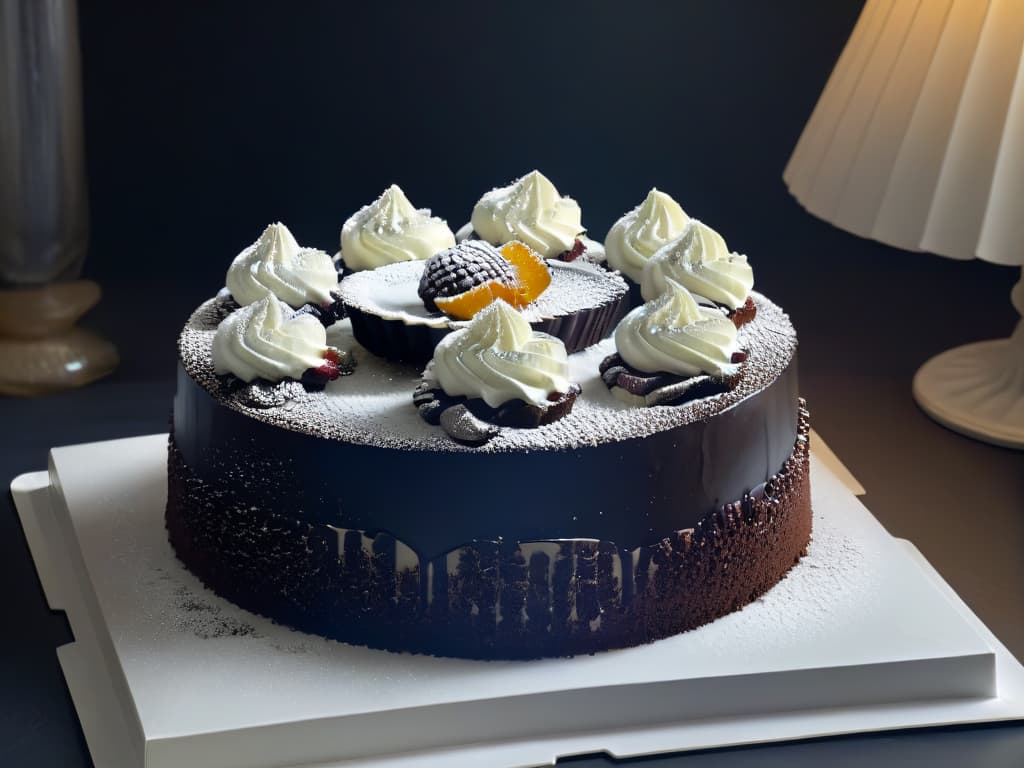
(862, 635)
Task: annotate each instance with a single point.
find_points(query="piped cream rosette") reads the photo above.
(700, 261)
(266, 340)
(531, 210)
(498, 357)
(635, 237)
(278, 264)
(673, 334)
(392, 229)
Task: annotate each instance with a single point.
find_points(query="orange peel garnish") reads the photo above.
(532, 275)
(465, 305)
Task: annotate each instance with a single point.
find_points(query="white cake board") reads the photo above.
(862, 635)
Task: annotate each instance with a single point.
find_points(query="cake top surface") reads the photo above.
(374, 405)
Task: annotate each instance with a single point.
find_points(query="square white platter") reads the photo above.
(861, 635)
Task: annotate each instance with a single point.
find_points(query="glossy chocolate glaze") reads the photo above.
(631, 491)
(489, 599)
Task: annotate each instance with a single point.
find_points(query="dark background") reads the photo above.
(207, 121)
(204, 124)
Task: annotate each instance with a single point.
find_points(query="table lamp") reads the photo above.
(43, 210)
(917, 141)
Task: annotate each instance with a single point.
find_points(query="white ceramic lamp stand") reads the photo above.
(978, 389)
(918, 141)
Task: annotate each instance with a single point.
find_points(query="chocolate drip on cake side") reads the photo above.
(493, 599)
(665, 481)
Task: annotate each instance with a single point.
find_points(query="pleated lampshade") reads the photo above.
(917, 141)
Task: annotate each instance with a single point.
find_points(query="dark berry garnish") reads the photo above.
(328, 314)
(577, 250)
(336, 363)
(744, 314)
(317, 378)
(334, 311)
(342, 359)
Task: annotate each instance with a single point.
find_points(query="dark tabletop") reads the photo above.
(205, 124)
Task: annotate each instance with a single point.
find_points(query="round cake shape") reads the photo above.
(342, 513)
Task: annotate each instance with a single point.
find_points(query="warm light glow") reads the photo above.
(918, 138)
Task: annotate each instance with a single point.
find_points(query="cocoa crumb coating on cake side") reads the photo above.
(491, 599)
(372, 406)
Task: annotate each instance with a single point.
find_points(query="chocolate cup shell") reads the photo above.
(414, 344)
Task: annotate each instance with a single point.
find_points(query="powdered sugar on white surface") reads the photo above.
(854, 600)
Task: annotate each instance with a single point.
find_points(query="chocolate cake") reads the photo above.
(471, 448)
(342, 512)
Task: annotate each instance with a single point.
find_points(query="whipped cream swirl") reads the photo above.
(392, 229)
(276, 263)
(499, 357)
(700, 261)
(635, 237)
(266, 340)
(530, 210)
(673, 334)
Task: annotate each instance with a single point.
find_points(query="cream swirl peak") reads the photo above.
(276, 263)
(266, 340)
(499, 358)
(635, 237)
(700, 261)
(673, 334)
(530, 209)
(392, 229)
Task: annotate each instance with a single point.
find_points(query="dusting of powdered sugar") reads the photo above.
(193, 611)
(198, 616)
(374, 405)
(837, 578)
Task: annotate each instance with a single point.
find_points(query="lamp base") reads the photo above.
(977, 390)
(41, 350)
